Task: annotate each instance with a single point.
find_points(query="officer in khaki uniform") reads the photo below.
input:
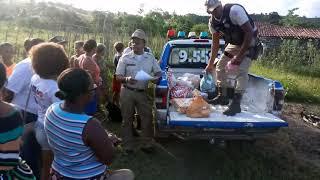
(133, 93)
(240, 35)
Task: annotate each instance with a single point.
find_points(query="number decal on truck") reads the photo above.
(183, 56)
(194, 56)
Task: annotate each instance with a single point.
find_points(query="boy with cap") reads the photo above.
(59, 40)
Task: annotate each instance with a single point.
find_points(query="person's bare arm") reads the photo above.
(124, 79)
(214, 50)
(91, 68)
(7, 95)
(95, 136)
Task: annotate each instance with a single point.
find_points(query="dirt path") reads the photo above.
(292, 153)
(303, 137)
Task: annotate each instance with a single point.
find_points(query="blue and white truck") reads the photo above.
(261, 104)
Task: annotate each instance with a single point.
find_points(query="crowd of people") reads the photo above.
(48, 101)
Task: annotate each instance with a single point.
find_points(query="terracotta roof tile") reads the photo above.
(271, 30)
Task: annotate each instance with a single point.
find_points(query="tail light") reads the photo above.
(279, 95)
(161, 97)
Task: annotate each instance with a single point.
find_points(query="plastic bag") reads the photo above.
(190, 80)
(172, 81)
(207, 83)
(231, 68)
(198, 108)
(181, 92)
(181, 87)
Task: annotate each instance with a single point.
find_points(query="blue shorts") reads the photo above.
(92, 106)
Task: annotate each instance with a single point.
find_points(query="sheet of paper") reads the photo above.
(143, 76)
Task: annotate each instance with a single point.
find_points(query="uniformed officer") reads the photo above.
(240, 35)
(133, 93)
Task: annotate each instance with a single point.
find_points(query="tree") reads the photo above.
(180, 23)
(291, 19)
(274, 18)
(200, 28)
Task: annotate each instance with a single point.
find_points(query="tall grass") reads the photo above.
(295, 63)
(298, 56)
(300, 88)
(16, 35)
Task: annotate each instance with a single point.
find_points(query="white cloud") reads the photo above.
(309, 8)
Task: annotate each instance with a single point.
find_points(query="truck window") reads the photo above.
(190, 57)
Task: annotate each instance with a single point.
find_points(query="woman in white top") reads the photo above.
(48, 61)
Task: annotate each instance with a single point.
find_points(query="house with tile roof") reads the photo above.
(272, 35)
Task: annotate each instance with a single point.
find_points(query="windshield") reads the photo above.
(190, 57)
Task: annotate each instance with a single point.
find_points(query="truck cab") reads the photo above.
(261, 105)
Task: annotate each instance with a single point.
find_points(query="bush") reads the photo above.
(297, 56)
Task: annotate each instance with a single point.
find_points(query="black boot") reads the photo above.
(221, 98)
(230, 92)
(234, 107)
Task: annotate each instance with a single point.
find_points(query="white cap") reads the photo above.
(139, 33)
(212, 4)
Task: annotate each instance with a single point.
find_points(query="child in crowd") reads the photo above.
(116, 85)
(78, 49)
(7, 54)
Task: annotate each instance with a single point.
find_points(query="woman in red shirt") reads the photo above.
(87, 63)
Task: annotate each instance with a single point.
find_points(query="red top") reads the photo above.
(171, 33)
(87, 63)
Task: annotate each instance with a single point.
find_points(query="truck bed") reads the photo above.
(244, 119)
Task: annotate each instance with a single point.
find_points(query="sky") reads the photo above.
(309, 8)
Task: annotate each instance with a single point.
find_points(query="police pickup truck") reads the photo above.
(261, 104)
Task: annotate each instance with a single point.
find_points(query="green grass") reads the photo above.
(16, 35)
(300, 88)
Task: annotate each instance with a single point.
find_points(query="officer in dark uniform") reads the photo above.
(240, 35)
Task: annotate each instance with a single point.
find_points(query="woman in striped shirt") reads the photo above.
(82, 148)
(11, 128)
